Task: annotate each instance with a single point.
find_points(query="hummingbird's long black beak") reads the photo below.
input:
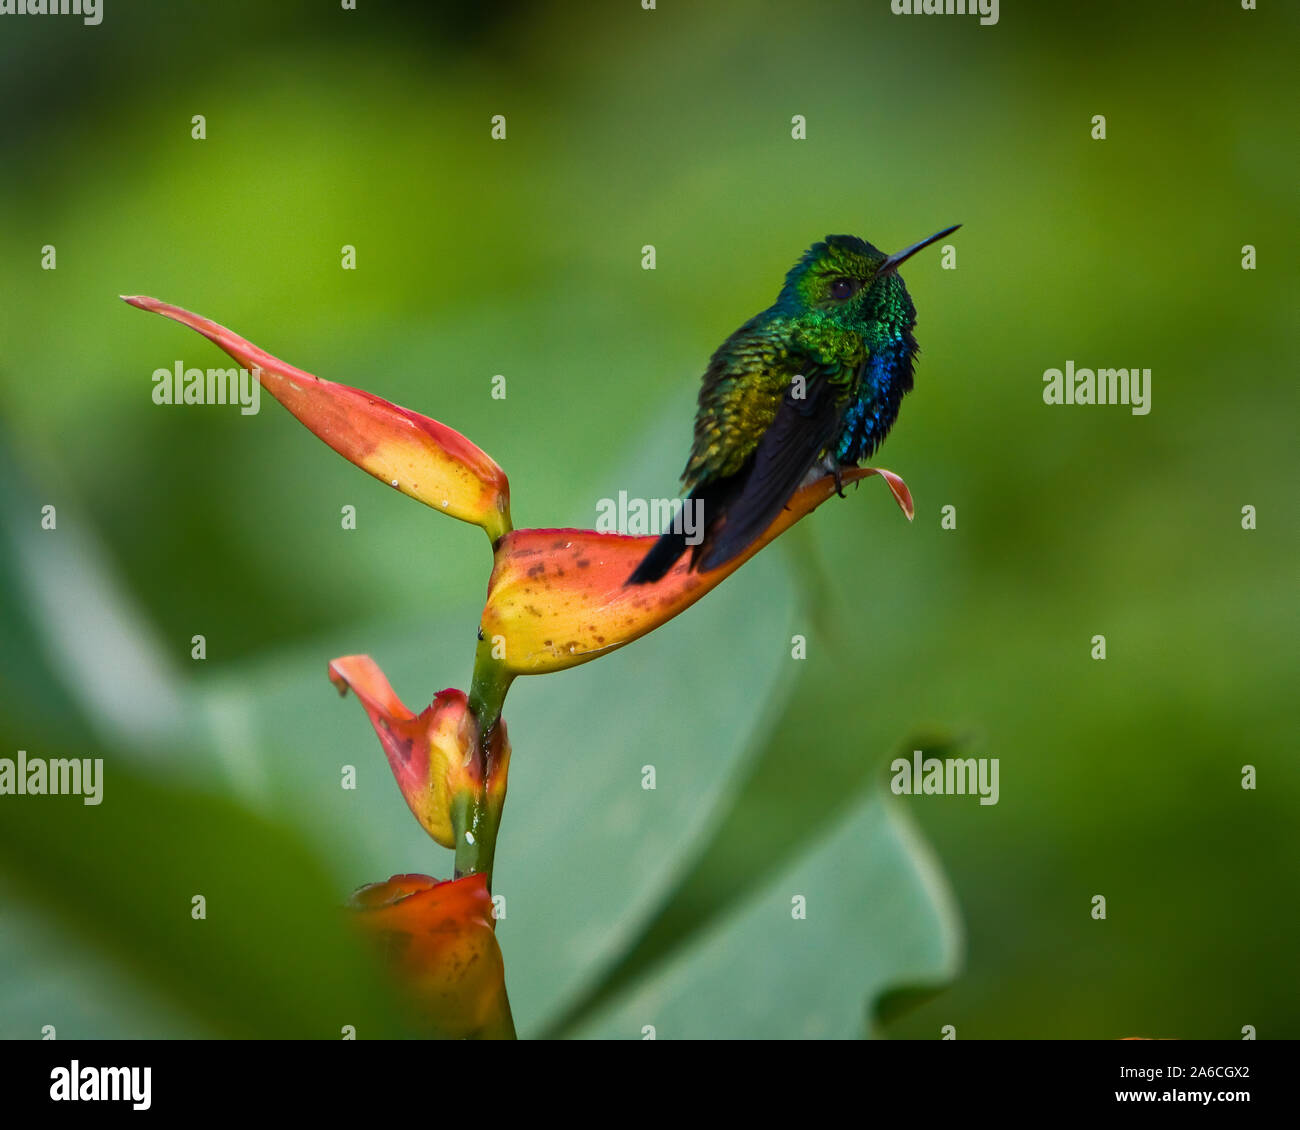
(890, 265)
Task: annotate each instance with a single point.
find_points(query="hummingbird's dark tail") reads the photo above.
(709, 503)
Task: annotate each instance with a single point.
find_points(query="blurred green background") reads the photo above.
(477, 257)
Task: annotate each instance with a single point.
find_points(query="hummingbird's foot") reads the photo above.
(839, 481)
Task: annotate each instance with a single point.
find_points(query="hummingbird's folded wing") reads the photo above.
(745, 505)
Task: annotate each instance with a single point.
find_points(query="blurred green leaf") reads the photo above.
(878, 916)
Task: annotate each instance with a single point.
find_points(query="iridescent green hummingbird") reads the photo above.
(809, 386)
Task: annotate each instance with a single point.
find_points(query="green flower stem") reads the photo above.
(476, 834)
(476, 814)
(487, 691)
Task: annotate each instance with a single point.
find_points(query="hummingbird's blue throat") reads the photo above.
(886, 377)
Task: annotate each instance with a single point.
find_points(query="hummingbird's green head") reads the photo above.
(848, 278)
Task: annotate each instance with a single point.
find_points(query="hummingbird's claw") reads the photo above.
(839, 481)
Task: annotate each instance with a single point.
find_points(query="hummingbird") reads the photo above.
(806, 388)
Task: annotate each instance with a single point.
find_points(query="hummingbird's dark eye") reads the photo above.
(843, 288)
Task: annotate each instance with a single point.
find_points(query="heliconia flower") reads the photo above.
(440, 940)
(429, 753)
(558, 598)
(422, 458)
